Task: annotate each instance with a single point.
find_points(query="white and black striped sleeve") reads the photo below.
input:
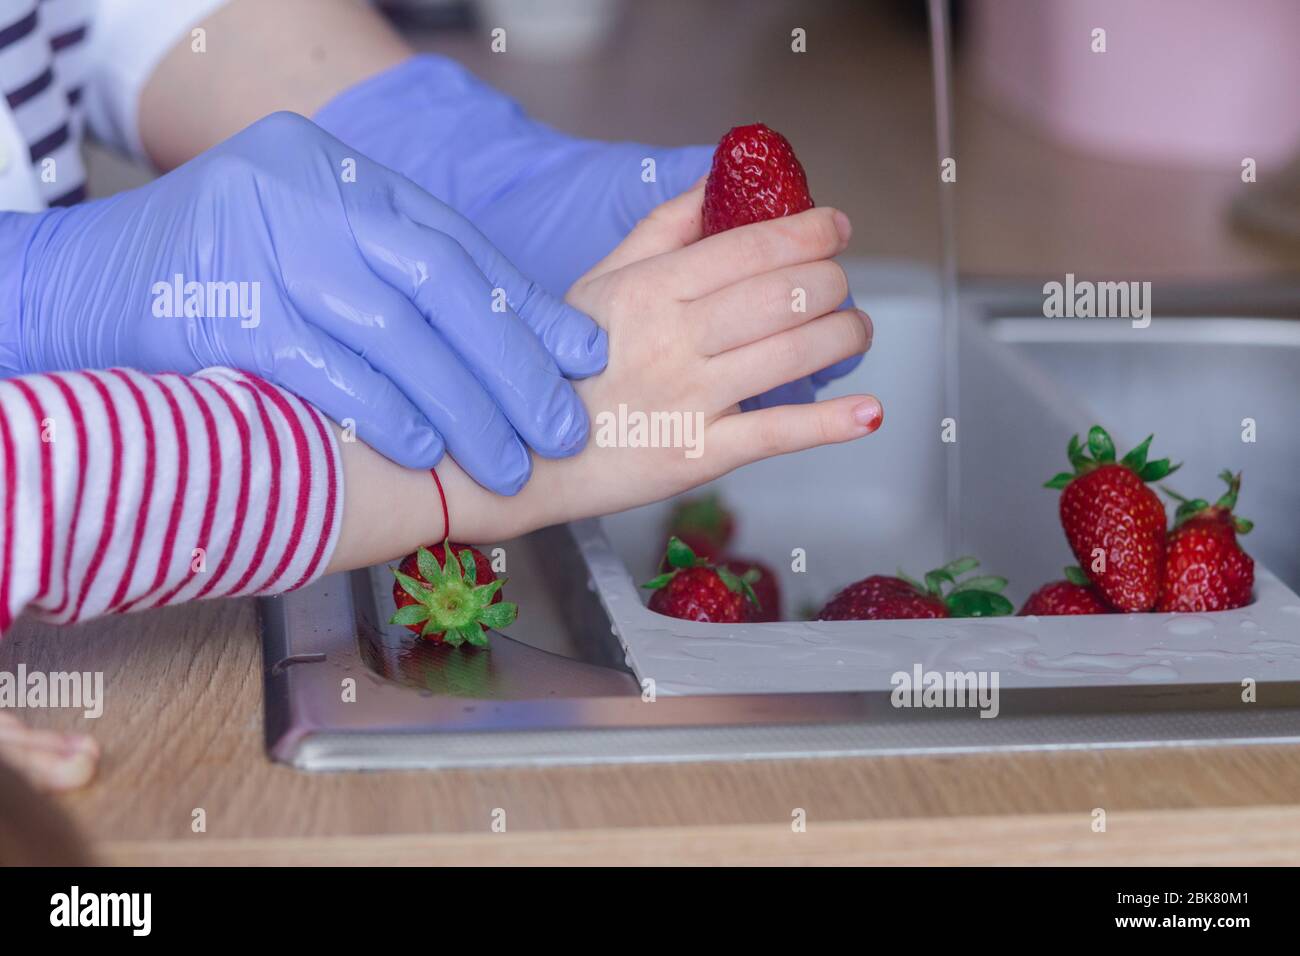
(42, 68)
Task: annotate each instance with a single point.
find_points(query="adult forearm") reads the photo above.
(260, 56)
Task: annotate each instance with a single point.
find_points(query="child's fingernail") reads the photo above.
(868, 414)
(843, 226)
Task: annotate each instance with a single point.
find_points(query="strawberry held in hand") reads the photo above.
(695, 590)
(755, 177)
(1205, 569)
(1108, 512)
(884, 598)
(439, 597)
(1074, 595)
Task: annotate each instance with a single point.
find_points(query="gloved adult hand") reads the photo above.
(553, 204)
(286, 253)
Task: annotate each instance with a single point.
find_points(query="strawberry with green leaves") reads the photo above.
(1075, 595)
(760, 577)
(439, 597)
(883, 597)
(1206, 569)
(1107, 510)
(693, 589)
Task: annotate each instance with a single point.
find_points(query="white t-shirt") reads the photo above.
(69, 64)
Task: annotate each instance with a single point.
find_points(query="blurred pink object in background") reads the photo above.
(1195, 82)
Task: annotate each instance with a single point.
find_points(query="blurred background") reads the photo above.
(1120, 163)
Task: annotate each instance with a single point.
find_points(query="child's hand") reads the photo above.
(695, 325)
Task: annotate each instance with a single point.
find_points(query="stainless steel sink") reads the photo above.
(558, 688)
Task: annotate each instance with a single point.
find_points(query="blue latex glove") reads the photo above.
(375, 302)
(553, 204)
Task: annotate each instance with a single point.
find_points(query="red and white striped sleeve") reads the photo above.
(122, 491)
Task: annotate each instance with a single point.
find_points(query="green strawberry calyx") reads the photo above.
(681, 556)
(1189, 508)
(979, 596)
(1076, 575)
(450, 601)
(704, 515)
(1103, 454)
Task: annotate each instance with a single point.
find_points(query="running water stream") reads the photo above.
(941, 60)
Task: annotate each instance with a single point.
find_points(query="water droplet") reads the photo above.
(1185, 624)
(1289, 648)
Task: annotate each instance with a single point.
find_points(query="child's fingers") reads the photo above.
(727, 258)
(752, 436)
(764, 305)
(669, 227)
(753, 369)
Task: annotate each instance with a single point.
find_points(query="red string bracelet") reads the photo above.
(446, 518)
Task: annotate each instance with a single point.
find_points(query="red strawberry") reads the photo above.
(755, 177)
(1206, 570)
(763, 580)
(696, 590)
(439, 597)
(882, 598)
(1074, 595)
(1107, 507)
(704, 524)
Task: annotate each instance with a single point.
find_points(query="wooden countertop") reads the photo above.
(182, 729)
